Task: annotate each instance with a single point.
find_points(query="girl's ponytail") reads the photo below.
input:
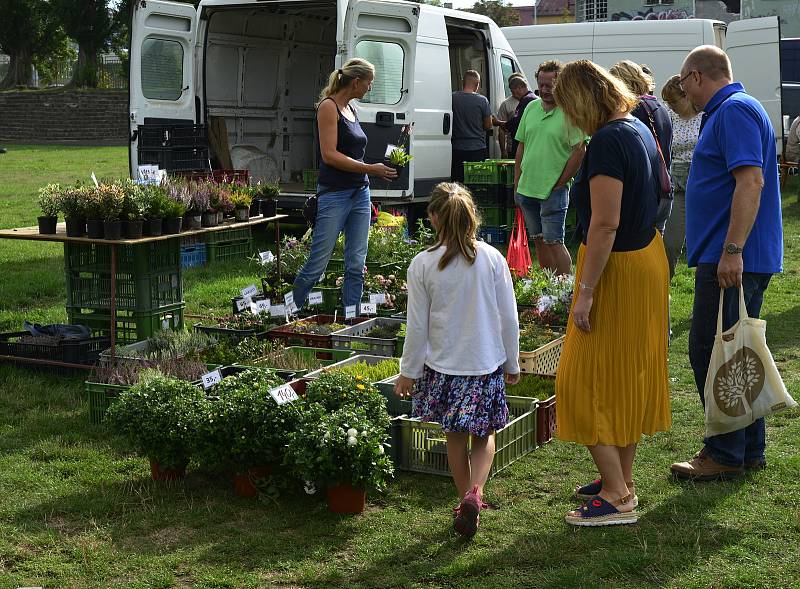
(457, 221)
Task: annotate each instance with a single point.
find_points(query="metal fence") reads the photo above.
(111, 73)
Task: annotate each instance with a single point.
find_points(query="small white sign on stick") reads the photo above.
(283, 394)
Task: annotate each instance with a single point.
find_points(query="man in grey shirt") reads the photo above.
(472, 117)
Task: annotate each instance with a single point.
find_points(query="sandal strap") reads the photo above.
(598, 507)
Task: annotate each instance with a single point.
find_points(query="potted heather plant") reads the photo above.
(94, 212)
(210, 218)
(159, 417)
(74, 206)
(241, 201)
(200, 202)
(173, 216)
(224, 205)
(50, 198)
(112, 201)
(133, 209)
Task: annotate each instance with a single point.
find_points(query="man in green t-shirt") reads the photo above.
(549, 154)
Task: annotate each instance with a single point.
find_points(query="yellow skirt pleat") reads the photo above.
(612, 383)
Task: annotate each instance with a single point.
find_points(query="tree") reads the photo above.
(89, 23)
(503, 14)
(28, 30)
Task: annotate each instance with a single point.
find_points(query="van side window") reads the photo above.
(507, 66)
(162, 69)
(388, 58)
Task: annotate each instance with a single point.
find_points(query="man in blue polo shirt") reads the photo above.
(734, 236)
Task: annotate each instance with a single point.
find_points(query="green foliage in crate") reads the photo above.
(281, 358)
(371, 372)
(313, 328)
(334, 390)
(158, 418)
(384, 331)
(241, 424)
(533, 386)
(345, 446)
(533, 336)
(227, 351)
(259, 322)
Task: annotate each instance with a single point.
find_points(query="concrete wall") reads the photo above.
(64, 116)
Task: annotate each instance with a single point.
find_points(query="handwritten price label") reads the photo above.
(315, 298)
(241, 304)
(288, 299)
(209, 379)
(368, 309)
(377, 298)
(249, 291)
(350, 312)
(262, 306)
(283, 394)
(277, 310)
(266, 257)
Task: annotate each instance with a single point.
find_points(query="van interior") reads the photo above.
(263, 69)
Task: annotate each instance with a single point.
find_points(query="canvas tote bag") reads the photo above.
(743, 383)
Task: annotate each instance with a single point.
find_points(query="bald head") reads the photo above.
(711, 61)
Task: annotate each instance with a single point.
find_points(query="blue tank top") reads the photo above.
(352, 142)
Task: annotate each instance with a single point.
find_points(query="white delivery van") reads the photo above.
(252, 70)
(752, 44)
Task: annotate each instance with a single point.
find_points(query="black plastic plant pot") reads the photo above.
(76, 226)
(134, 229)
(172, 225)
(154, 227)
(210, 219)
(94, 229)
(269, 207)
(193, 221)
(113, 229)
(397, 168)
(47, 225)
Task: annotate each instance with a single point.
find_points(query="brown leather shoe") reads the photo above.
(704, 468)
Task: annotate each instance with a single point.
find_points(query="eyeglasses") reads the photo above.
(680, 82)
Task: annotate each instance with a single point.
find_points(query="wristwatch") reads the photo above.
(732, 248)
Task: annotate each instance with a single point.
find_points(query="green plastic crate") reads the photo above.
(219, 252)
(323, 356)
(131, 326)
(485, 172)
(493, 215)
(395, 405)
(422, 447)
(310, 180)
(368, 359)
(229, 235)
(487, 195)
(140, 292)
(139, 259)
(100, 397)
(353, 338)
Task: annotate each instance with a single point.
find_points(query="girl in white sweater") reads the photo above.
(462, 343)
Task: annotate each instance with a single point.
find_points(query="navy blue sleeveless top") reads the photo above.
(352, 142)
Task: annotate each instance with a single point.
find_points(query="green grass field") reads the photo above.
(77, 511)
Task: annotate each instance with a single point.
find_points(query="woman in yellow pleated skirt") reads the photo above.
(612, 384)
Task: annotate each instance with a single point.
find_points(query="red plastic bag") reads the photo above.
(519, 256)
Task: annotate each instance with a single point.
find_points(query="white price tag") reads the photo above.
(377, 298)
(241, 304)
(350, 312)
(262, 306)
(283, 394)
(389, 149)
(209, 379)
(277, 310)
(249, 291)
(291, 309)
(266, 257)
(288, 299)
(368, 309)
(165, 325)
(315, 298)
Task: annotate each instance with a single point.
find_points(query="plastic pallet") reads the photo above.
(493, 235)
(543, 360)
(353, 338)
(229, 235)
(142, 258)
(84, 352)
(139, 292)
(218, 252)
(422, 447)
(131, 326)
(193, 256)
(486, 172)
(546, 420)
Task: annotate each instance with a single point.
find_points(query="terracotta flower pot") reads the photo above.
(346, 499)
(47, 225)
(243, 482)
(166, 474)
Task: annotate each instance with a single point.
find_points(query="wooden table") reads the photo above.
(32, 234)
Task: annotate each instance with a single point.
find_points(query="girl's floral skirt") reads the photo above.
(466, 404)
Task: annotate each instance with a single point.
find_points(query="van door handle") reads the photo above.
(384, 119)
(446, 124)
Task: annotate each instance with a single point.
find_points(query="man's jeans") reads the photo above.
(339, 210)
(734, 448)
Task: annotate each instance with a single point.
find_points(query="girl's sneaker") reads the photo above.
(468, 516)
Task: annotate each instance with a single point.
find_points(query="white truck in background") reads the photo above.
(255, 68)
(752, 44)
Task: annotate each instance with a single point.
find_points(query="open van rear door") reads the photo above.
(753, 46)
(385, 34)
(162, 87)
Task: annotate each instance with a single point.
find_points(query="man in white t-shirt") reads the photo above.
(505, 113)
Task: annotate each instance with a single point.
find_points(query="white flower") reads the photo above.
(352, 432)
(309, 487)
(545, 302)
(364, 434)
(380, 449)
(352, 441)
(327, 436)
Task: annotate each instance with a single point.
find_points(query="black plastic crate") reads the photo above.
(176, 159)
(488, 195)
(70, 351)
(158, 136)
